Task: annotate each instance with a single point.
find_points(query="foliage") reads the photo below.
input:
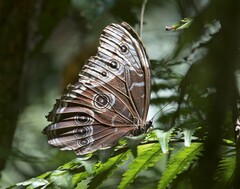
(179, 162)
(75, 173)
(183, 24)
(196, 88)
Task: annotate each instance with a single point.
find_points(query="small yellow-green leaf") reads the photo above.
(183, 24)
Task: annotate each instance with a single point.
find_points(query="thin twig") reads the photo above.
(142, 15)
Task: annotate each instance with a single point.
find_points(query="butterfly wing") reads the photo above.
(110, 99)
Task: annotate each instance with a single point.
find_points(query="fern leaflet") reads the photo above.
(179, 162)
(148, 155)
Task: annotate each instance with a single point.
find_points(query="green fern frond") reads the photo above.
(148, 154)
(225, 173)
(66, 176)
(104, 170)
(82, 176)
(78, 169)
(180, 162)
(83, 184)
(164, 138)
(61, 179)
(32, 183)
(188, 133)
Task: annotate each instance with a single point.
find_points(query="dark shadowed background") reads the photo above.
(44, 44)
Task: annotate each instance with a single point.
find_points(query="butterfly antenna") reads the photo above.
(142, 15)
(149, 125)
(157, 113)
(161, 110)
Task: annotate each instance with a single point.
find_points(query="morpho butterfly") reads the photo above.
(111, 98)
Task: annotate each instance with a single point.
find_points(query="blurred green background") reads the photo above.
(44, 44)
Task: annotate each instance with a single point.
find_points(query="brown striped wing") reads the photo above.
(110, 99)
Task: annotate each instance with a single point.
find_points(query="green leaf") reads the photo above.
(34, 182)
(83, 184)
(45, 175)
(71, 165)
(226, 172)
(31, 183)
(80, 177)
(188, 133)
(163, 138)
(61, 179)
(180, 162)
(104, 170)
(148, 155)
(133, 143)
(183, 24)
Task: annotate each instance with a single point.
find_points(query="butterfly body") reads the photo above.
(110, 99)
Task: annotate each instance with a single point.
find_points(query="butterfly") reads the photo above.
(111, 98)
